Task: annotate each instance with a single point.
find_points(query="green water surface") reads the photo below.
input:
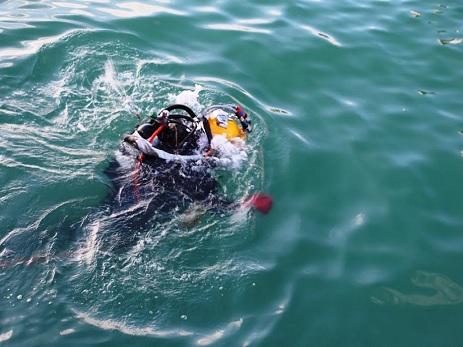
(357, 113)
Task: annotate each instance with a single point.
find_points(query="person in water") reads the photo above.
(174, 167)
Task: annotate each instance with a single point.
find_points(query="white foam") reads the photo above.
(231, 155)
(188, 98)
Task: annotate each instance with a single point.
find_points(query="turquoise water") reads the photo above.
(357, 113)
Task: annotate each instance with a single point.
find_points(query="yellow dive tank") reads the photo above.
(221, 123)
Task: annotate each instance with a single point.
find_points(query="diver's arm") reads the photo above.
(141, 144)
(146, 147)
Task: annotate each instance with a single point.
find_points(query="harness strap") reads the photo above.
(140, 159)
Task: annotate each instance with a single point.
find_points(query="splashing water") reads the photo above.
(232, 154)
(110, 78)
(188, 98)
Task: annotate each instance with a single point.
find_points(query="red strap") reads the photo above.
(140, 159)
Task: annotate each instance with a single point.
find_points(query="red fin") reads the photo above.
(261, 202)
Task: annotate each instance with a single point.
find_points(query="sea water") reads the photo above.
(356, 110)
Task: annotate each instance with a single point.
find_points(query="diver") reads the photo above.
(187, 135)
(177, 154)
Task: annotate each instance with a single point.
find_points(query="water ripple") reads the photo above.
(327, 37)
(237, 27)
(137, 9)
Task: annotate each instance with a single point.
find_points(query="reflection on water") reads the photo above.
(137, 9)
(446, 292)
(20, 14)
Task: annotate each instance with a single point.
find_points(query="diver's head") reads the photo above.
(146, 130)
